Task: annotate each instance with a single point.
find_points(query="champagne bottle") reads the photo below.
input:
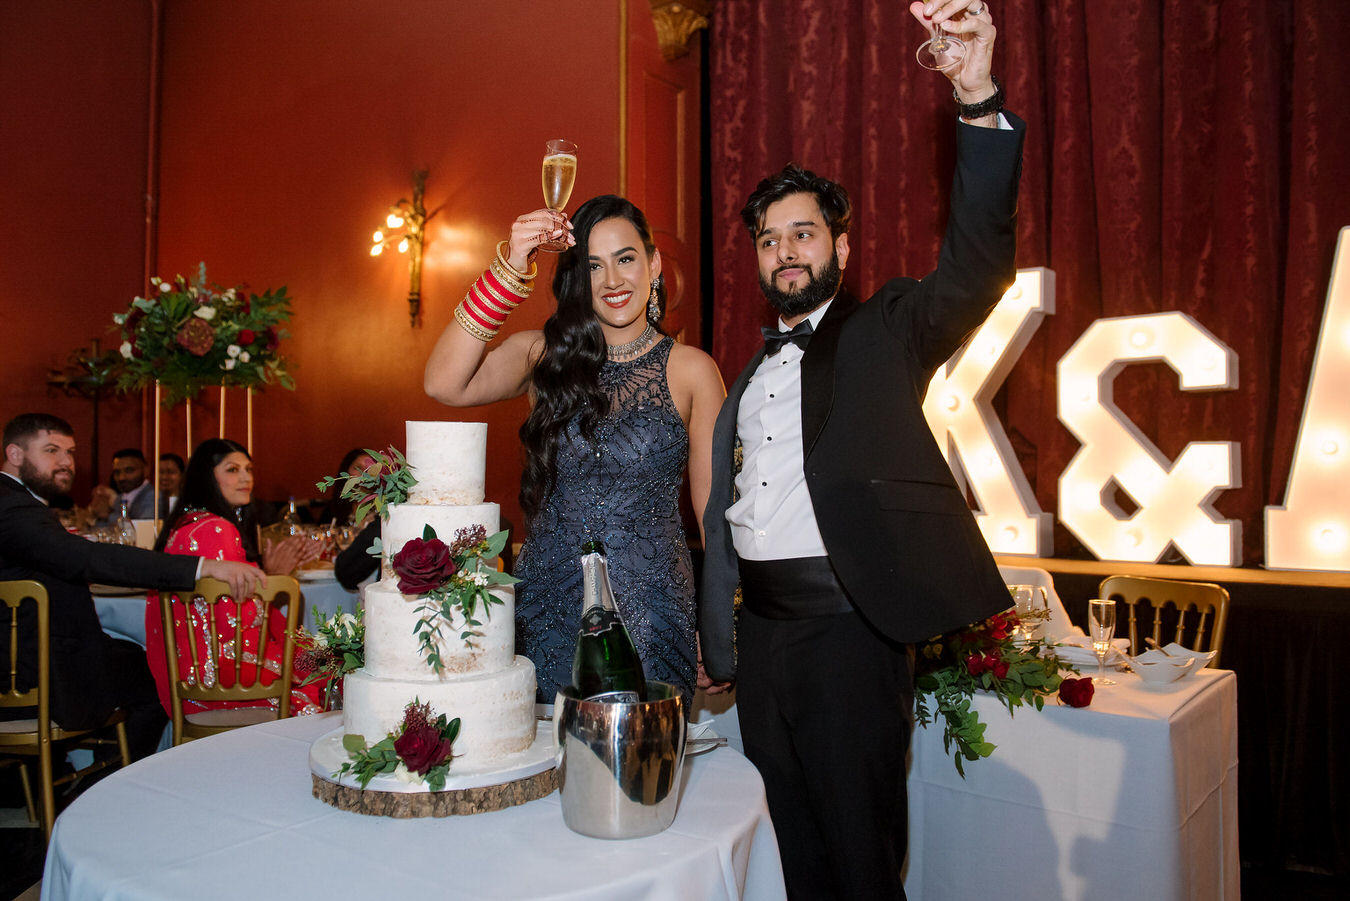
(606, 662)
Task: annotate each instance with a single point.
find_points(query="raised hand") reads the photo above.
(533, 229)
(972, 22)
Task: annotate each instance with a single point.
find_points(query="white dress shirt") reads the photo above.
(773, 518)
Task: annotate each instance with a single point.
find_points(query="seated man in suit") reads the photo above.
(130, 485)
(91, 673)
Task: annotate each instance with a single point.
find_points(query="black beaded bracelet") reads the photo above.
(986, 107)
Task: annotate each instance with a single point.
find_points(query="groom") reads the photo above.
(832, 506)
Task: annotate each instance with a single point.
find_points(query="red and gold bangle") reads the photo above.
(468, 306)
(483, 314)
(487, 306)
(491, 289)
(508, 291)
(467, 323)
(508, 282)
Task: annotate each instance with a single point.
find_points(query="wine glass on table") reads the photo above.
(1033, 607)
(559, 174)
(1102, 628)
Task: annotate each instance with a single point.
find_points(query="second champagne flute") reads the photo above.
(1102, 628)
(559, 174)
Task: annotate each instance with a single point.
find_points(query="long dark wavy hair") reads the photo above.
(201, 491)
(567, 376)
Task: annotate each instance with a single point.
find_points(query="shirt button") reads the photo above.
(760, 533)
(770, 395)
(764, 484)
(768, 438)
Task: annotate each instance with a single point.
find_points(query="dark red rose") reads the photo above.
(999, 666)
(136, 351)
(423, 565)
(196, 337)
(421, 747)
(273, 342)
(1076, 692)
(976, 664)
(246, 336)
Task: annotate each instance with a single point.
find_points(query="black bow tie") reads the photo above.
(774, 340)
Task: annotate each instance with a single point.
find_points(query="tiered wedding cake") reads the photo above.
(481, 681)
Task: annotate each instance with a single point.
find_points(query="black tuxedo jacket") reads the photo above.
(34, 545)
(897, 529)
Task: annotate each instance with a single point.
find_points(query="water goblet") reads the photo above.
(1033, 607)
(1102, 628)
(559, 174)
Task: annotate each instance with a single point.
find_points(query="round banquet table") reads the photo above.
(215, 816)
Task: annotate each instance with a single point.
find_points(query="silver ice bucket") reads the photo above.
(620, 763)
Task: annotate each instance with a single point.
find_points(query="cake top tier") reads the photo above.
(448, 459)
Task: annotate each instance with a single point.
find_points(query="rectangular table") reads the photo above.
(1132, 797)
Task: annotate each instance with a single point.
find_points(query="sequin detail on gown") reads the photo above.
(622, 490)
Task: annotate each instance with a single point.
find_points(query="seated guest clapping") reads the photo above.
(91, 673)
(212, 520)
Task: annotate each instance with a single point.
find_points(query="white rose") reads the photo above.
(165, 287)
(205, 311)
(243, 357)
(347, 622)
(126, 349)
(234, 350)
(321, 640)
(403, 774)
(229, 364)
(120, 318)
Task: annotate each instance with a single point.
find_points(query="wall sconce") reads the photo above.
(404, 230)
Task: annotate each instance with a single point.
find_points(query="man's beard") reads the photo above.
(818, 289)
(44, 487)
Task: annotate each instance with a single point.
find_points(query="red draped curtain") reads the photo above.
(1188, 155)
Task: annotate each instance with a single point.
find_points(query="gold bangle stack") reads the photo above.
(520, 276)
(470, 326)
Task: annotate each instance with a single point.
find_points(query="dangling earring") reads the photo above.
(654, 300)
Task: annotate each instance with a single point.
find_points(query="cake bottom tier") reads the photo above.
(495, 710)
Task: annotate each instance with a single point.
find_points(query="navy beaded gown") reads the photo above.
(621, 489)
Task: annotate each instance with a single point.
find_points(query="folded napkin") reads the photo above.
(1077, 650)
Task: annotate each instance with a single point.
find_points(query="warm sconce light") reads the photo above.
(405, 226)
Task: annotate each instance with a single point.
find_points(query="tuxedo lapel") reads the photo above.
(818, 370)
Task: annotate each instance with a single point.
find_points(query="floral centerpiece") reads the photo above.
(418, 750)
(337, 647)
(187, 335)
(449, 579)
(983, 656)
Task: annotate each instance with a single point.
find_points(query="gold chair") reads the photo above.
(1207, 600)
(199, 683)
(40, 737)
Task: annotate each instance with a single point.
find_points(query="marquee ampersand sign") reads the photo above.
(1173, 498)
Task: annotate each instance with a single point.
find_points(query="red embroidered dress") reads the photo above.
(204, 534)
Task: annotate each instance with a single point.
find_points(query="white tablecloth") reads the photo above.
(1133, 797)
(211, 817)
(124, 616)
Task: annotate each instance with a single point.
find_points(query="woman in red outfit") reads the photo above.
(212, 519)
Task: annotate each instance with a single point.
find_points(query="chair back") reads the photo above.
(1207, 602)
(39, 737)
(244, 640)
(12, 596)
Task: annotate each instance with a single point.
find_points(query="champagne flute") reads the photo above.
(941, 51)
(559, 174)
(1032, 605)
(1102, 627)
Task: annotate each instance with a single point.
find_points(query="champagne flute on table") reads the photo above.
(559, 174)
(1102, 628)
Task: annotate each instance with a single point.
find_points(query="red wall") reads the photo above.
(74, 107)
(289, 129)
